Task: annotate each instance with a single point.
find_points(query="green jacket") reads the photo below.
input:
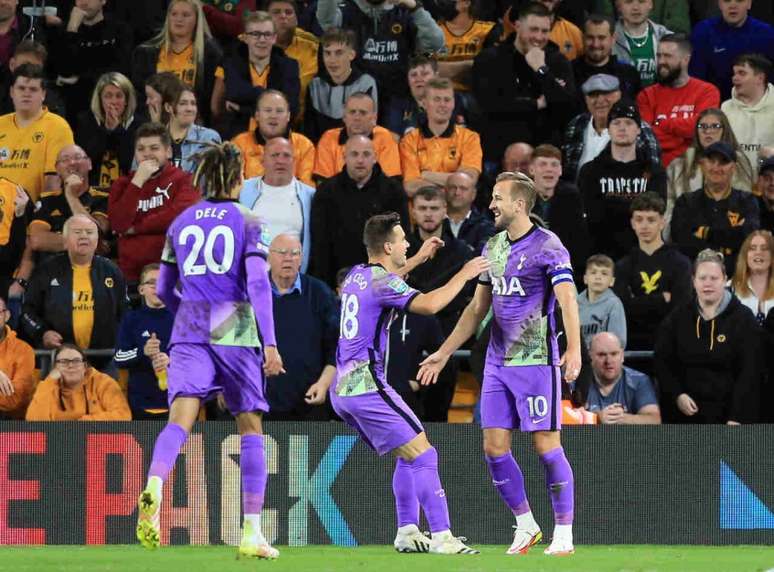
(673, 14)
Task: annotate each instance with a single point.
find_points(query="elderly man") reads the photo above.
(517, 157)
(344, 203)
(74, 196)
(306, 321)
(716, 216)
(283, 202)
(438, 147)
(75, 296)
(619, 394)
(586, 135)
(359, 119)
(463, 220)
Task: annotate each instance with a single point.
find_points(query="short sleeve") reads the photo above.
(256, 237)
(557, 261)
(391, 291)
(644, 394)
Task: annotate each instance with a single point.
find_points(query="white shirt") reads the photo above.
(280, 209)
(456, 226)
(593, 143)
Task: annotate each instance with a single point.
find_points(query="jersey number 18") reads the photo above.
(207, 244)
(349, 326)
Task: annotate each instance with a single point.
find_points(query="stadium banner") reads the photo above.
(78, 483)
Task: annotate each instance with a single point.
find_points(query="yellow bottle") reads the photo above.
(161, 376)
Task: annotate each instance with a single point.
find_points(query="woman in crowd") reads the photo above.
(684, 174)
(106, 130)
(188, 138)
(157, 89)
(753, 281)
(75, 391)
(707, 354)
(184, 47)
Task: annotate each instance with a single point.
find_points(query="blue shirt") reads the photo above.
(296, 287)
(634, 390)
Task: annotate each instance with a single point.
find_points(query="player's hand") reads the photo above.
(316, 393)
(430, 368)
(160, 361)
(6, 387)
(475, 267)
(52, 340)
(145, 171)
(20, 200)
(273, 364)
(152, 346)
(611, 414)
(686, 405)
(429, 248)
(571, 361)
(535, 58)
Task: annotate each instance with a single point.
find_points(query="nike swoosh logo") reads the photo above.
(719, 50)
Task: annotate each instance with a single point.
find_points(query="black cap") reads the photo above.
(722, 149)
(766, 165)
(623, 108)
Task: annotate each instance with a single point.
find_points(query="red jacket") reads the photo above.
(673, 112)
(147, 212)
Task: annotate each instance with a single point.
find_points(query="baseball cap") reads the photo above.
(601, 82)
(722, 149)
(766, 165)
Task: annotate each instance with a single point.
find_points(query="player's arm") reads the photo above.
(435, 301)
(567, 297)
(259, 293)
(471, 317)
(425, 253)
(165, 289)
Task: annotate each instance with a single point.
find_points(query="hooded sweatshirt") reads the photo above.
(17, 361)
(641, 280)
(717, 362)
(753, 125)
(608, 188)
(605, 314)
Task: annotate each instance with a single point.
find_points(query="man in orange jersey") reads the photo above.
(272, 116)
(437, 148)
(359, 119)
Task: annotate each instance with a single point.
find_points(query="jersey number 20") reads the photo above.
(207, 244)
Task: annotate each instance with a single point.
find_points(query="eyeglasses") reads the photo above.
(256, 34)
(148, 283)
(285, 252)
(710, 126)
(69, 362)
(71, 158)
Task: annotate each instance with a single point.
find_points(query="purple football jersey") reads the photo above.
(522, 275)
(371, 299)
(209, 242)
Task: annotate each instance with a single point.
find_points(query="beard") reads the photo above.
(670, 77)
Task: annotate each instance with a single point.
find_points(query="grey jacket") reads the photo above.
(621, 46)
(606, 314)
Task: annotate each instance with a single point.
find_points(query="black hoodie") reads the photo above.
(716, 362)
(608, 188)
(641, 281)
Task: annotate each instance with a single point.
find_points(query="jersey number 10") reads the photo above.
(207, 244)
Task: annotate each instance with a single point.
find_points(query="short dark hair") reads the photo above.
(339, 36)
(534, 9)
(430, 193)
(599, 19)
(378, 230)
(291, 2)
(547, 150)
(421, 60)
(601, 260)
(151, 129)
(29, 71)
(648, 201)
(31, 47)
(758, 62)
(682, 40)
(69, 346)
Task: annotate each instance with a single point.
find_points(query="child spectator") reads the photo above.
(600, 309)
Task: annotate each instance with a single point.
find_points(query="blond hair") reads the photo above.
(122, 82)
(739, 283)
(521, 186)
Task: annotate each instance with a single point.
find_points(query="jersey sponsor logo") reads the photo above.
(381, 51)
(650, 283)
(164, 191)
(522, 260)
(7, 154)
(503, 286)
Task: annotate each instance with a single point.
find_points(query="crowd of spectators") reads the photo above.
(646, 125)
